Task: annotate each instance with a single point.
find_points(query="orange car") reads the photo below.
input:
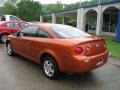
(58, 48)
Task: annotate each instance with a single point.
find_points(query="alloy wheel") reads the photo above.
(4, 38)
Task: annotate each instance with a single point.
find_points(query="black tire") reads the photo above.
(3, 38)
(50, 67)
(10, 49)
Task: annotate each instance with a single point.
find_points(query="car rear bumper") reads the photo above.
(86, 64)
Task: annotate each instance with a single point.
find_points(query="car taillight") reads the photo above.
(78, 50)
(87, 50)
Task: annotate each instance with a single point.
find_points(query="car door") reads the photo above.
(40, 43)
(13, 27)
(23, 42)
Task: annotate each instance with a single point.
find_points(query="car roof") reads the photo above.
(1, 22)
(49, 25)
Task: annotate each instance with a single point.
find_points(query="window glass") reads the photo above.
(29, 31)
(42, 34)
(14, 18)
(13, 25)
(24, 24)
(2, 18)
(64, 31)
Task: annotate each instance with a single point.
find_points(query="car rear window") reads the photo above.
(65, 31)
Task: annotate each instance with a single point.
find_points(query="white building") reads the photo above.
(105, 18)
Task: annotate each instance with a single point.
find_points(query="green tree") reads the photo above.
(52, 7)
(72, 6)
(12, 2)
(29, 10)
(10, 7)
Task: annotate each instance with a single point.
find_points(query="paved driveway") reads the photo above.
(16, 73)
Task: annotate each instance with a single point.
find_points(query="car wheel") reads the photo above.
(50, 67)
(9, 49)
(3, 38)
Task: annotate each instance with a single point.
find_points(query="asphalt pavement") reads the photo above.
(17, 73)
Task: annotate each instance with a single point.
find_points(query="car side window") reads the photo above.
(42, 34)
(13, 25)
(24, 24)
(14, 18)
(3, 18)
(29, 31)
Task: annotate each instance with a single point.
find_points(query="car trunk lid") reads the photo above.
(92, 46)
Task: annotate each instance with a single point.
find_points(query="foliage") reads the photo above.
(52, 7)
(28, 10)
(9, 9)
(71, 21)
(11, 3)
(72, 6)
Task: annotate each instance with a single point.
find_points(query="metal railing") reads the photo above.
(111, 29)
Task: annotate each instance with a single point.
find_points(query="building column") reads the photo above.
(80, 19)
(63, 20)
(118, 28)
(41, 19)
(99, 21)
(53, 18)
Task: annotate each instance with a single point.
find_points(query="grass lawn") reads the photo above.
(113, 46)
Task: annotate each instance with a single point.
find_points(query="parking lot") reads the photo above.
(17, 73)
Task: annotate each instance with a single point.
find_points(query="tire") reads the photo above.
(3, 38)
(10, 49)
(50, 67)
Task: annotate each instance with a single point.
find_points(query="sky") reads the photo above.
(62, 1)
(2, 2)
(51, 1)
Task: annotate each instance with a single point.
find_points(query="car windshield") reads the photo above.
(64, 31)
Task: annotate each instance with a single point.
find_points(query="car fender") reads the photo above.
(54, 55)
(4, 31)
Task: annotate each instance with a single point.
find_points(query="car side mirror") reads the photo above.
(43, 36)
(16, 34)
